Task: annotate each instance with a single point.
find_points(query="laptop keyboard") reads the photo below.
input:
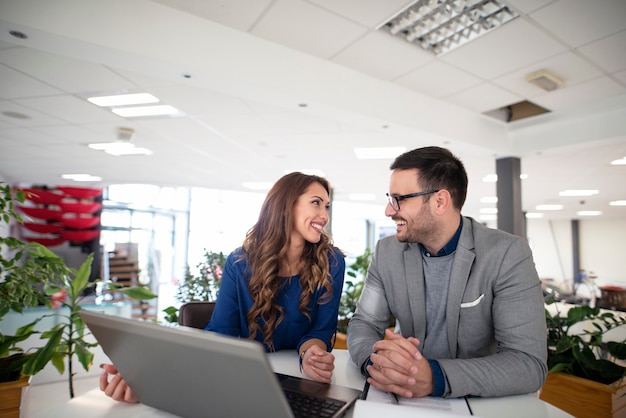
(304, 406)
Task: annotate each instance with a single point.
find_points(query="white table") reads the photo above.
(50, 400)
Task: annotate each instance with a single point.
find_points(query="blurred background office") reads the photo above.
(183, 112)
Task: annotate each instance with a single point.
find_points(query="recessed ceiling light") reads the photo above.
(489, 199)
(621, 161)
(133, 112)
(378, 153)
(548, 207)
(123, 99)
(578, 193)
(490, 178)
(618, 203)
(589, 213)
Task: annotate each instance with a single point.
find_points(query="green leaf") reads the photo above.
(139, 293)
(42, 356)
(82, 278)
(617, 349)
(85, 357)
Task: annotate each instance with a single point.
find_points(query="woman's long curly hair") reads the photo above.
(267, 243)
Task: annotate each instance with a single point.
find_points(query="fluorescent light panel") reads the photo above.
(439, 26)
(119, 148)
(589, 213)
(549, 207)
(578, 193)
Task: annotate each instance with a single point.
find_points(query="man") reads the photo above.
(466, 299)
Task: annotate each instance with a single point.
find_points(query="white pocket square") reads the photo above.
(473, 303)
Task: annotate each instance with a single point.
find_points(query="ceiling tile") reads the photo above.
(15, 84)
(569, 67)
(438, 79)
(34, 118)
(527, 6)
(239, 14)
(483, 98)
(621, 77)
(369, 13)
(578, 22)
(393, 58)
(69, 109)
(71, 76)
(603, 53)
(504, 50)
(322, 33)
(592, 90)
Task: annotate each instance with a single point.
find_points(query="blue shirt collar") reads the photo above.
(450, 247)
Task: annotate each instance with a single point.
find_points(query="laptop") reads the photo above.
(195, 373)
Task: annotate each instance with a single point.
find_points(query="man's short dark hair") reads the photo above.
(437, 169)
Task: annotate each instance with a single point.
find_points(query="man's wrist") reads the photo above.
(439, 380)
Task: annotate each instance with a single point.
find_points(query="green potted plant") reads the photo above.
(351, 293)
(585, 375)
(203, 286)
(32, 275)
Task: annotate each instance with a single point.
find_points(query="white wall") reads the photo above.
(602, 249)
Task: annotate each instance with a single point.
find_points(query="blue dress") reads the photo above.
(234, 301)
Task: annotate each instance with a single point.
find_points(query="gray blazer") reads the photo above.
(495, 311)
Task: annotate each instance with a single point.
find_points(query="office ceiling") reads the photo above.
(266, 86)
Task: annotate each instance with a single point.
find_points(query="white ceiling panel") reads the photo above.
(597, 89)
(602, 52)
(240, 14)
(322, 33)
(15, 84)
(438, 79)
(69, 108)
(579, 22)
(484, 97)
(369, 13)
(504, 50)
(568, 66)
(395, 57)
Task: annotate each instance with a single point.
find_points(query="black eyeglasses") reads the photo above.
(394, 201)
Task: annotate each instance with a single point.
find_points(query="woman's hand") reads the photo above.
(318, 364)
(116, 388)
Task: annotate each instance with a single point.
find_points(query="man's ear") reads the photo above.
(443, 201)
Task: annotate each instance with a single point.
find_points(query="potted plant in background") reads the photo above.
(585, 377)
(350, 296)
(32, 275)
(204, 286)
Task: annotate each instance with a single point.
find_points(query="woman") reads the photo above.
(283, 285)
